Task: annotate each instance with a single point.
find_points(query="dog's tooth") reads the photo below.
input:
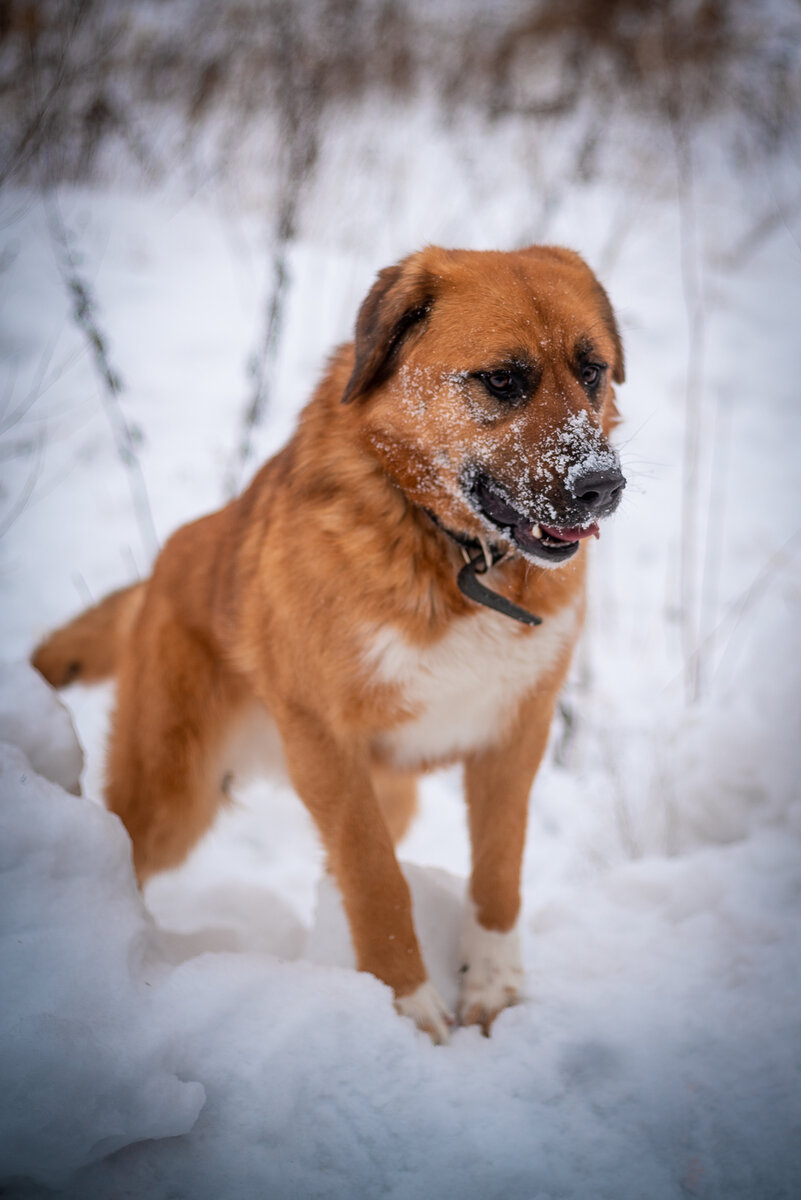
(536, 531)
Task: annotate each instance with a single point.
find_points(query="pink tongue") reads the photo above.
(571, 535)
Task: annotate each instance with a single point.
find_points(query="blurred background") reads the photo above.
(195, 196)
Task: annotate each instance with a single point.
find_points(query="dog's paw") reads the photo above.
(428, 1012)
(492, 975)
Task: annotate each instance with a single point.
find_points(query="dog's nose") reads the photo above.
(599, 491)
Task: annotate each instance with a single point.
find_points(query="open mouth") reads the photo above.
(549, 543)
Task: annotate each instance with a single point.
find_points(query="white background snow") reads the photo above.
(212, 1039)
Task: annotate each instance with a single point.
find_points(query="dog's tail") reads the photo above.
(88, 648)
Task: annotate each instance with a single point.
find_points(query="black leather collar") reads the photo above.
(478, 559)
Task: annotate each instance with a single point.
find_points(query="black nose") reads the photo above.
(599, 490)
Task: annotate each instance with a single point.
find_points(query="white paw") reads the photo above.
(492, 975)
(428, 1012)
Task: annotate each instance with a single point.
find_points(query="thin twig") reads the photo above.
(40, 387)
(85, 316)
(742, 603)
(83, 590)
(693, 393)
(27, 143)
(715, 531)
(261, 364)
(27, 488)
(299, 117)
(770, 221)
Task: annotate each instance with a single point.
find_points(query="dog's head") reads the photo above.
(485, 381)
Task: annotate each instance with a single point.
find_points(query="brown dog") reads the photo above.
(468, 421)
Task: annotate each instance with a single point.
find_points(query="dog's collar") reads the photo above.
(479, 557)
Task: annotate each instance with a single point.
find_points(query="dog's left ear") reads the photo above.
(399, 300)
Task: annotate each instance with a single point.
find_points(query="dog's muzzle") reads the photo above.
(592, 496)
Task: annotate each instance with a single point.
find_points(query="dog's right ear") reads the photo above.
(400, 299)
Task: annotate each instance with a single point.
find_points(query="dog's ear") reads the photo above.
(400, 299)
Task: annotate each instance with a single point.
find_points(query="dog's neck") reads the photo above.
(479, 558)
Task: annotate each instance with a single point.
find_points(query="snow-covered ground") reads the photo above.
(213, 1041)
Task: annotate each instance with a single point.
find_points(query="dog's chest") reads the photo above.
(462, 691)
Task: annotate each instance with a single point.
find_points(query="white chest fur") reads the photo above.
(461, 690)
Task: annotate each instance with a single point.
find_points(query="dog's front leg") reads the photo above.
(497, 786)
(333, 779)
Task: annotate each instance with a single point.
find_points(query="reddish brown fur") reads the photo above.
(88, 647)
(268, 599)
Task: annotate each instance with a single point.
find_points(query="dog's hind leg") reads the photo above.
(397, 796)
(165, 778)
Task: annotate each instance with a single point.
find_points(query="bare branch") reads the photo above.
(21, 502)
(84, 315)
(299, 107)
(693, 402)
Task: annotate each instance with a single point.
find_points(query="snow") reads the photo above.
(86, 1067)
(34, 719)
(653, 1056)
(213, 1039)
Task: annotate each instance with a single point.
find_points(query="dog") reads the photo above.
(399, 588)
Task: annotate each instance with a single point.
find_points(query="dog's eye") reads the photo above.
(505, 385)
(591, 374)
